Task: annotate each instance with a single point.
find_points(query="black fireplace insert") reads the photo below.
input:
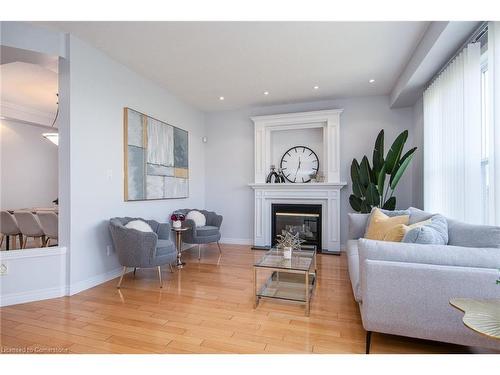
(304, 219)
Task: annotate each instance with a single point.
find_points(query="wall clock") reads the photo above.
(299, 163)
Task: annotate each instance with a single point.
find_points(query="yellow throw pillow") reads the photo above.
(397, 232)
(380, 224)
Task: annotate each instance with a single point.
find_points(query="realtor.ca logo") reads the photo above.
(31, 350)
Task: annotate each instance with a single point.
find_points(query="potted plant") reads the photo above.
(288, 241)
(177, 219)
(369, 187)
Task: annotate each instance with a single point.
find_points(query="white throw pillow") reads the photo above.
(199, 219)
(139, 225)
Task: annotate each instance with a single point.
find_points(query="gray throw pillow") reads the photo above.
(435, 233)
(417, 215)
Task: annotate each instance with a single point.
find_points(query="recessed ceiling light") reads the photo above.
(266, 92)
(371, 80)
(316, 87)
(221, 98)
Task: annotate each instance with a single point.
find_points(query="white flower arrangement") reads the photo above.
(288, 239)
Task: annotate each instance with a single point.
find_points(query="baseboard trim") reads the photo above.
(236, 241)
(91, 282)
(32, 296)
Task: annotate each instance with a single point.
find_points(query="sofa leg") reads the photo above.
(368, 341)
(121, 277)
(199, 251)
(171, 268)
(218, 244)
(159, 276)
(135, 269)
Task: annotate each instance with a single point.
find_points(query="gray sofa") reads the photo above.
(208, 233)
(142, 249)
(404, 289)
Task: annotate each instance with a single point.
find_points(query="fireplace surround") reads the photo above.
(323, 128)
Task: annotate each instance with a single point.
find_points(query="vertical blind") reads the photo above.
(452, 139)
(494, 68)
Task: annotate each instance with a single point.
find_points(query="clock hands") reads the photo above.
(297, 170)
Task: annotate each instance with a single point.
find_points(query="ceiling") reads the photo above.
(202, 61)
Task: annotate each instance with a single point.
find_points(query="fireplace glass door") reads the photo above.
(304, 219)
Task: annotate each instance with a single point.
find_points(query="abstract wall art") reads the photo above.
(156, 158)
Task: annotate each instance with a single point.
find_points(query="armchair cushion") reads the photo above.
(207, 230)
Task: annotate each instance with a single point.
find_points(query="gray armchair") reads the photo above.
(202, 235)
(142, 249)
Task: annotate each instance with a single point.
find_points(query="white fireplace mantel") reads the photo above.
(325, 194)
(327, 120)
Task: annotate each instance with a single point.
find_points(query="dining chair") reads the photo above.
(9, 229)
(30, 227)
(49, 222)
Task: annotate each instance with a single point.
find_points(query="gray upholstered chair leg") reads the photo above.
(121, 277)
(159, 276)
(218, 244)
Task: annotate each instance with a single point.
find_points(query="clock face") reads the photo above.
(299, 163)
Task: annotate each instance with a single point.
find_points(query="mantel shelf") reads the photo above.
(310, 185)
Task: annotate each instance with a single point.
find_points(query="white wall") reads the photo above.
(100, 88)
(229, 155)
(28, 166)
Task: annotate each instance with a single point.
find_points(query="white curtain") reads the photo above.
(452, 139)
(494, 85)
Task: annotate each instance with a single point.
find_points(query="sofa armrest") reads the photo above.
(357, 225)
(429, 254)
(413, 300)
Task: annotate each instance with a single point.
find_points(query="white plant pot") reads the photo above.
(177, 224)
(287, 252)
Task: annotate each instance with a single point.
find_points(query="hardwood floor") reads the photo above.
(207, 307)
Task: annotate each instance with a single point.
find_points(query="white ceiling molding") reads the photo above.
(438, 44)
(17, 112)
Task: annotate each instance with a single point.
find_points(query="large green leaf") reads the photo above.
(372, 195)
(401, 161)
(357, 189)
(398, 173)
(394, 153)
(365, 172)
(390, 204)
(365, 208)
(378, 153)
(356, 203)
(381, 181)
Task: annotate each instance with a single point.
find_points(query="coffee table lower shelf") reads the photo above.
(288, 286)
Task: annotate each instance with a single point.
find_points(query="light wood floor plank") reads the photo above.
(207, 307)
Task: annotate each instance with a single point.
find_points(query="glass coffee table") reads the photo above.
(291, 279)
